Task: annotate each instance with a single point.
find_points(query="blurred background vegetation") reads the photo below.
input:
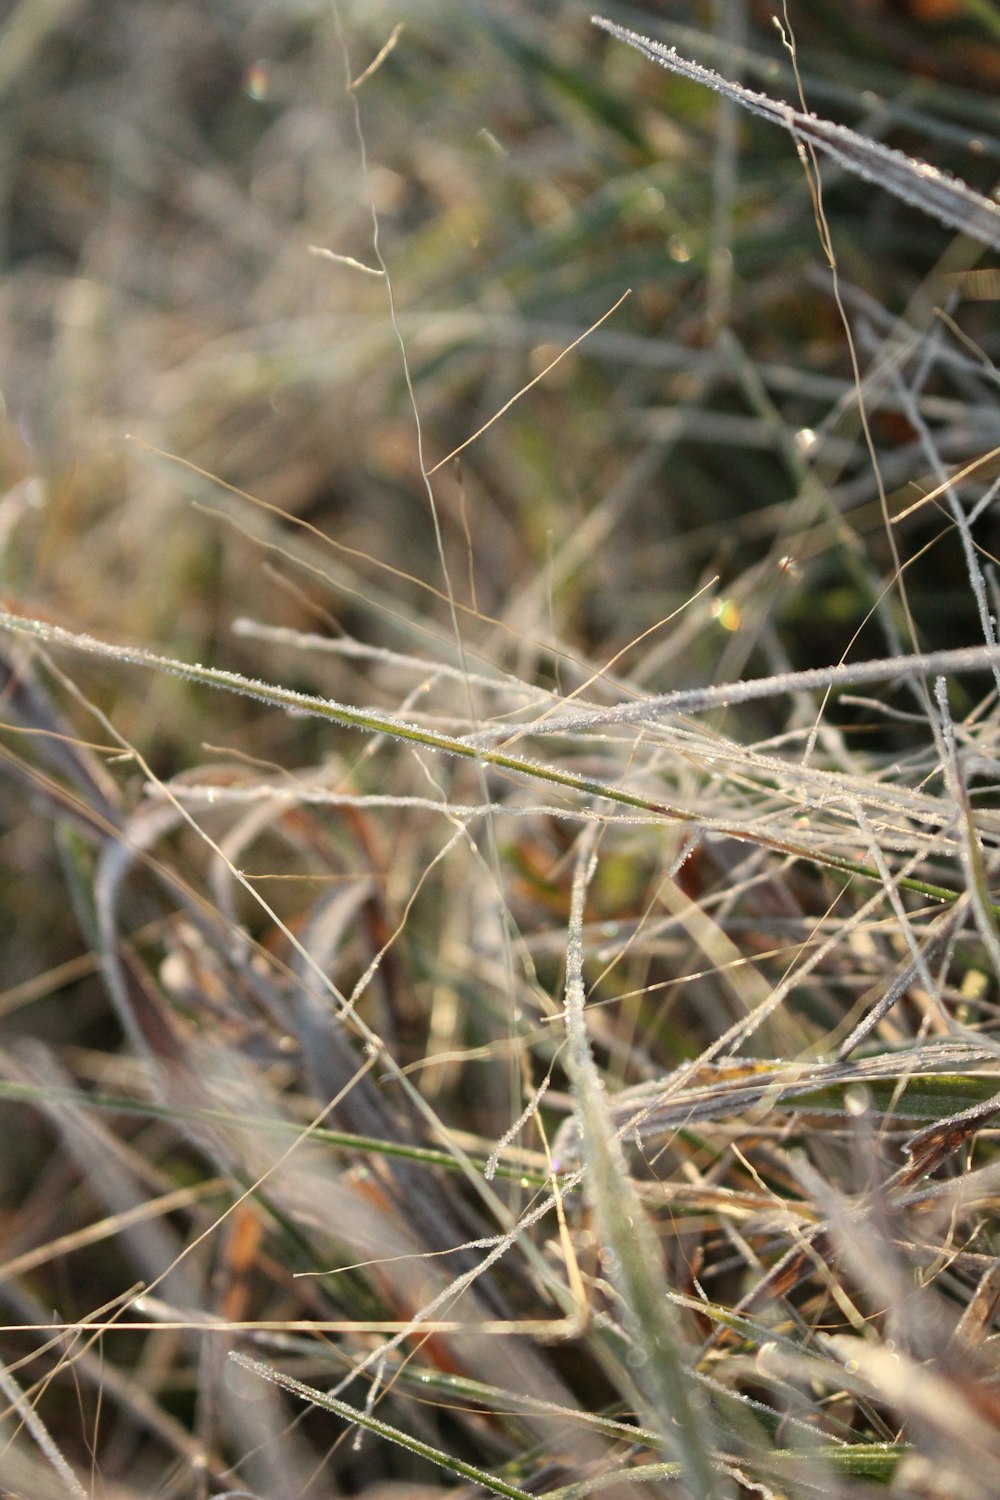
(204, 420)
(166, 169)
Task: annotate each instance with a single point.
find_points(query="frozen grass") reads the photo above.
(502, 955)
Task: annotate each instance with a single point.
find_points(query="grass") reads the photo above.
(502, 950)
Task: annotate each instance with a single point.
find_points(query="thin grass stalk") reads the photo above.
(384, 1430)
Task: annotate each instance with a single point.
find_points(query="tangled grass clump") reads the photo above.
(502, 989)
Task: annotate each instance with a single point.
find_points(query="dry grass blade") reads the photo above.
(521, 1011)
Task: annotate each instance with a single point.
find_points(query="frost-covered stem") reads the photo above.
(673, 1405)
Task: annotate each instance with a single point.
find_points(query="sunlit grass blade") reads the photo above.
(917, 183)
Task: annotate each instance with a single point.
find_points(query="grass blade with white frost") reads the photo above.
(916, 183)
(470, 748)
(674, 1407)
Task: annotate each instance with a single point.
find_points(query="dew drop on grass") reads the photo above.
(857, 1100)
(727, 613)
(257, 81)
